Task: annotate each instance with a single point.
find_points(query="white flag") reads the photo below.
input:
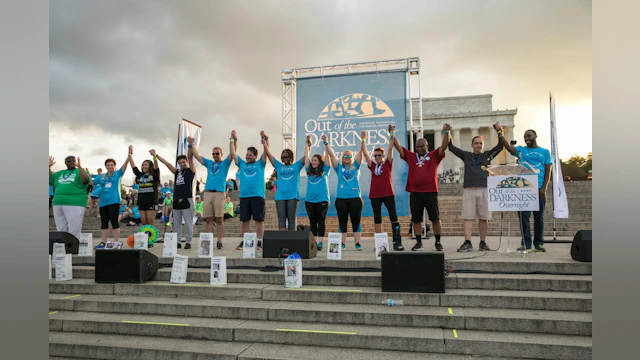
(187, 128)
(560, 204)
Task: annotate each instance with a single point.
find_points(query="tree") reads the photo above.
(577, 167)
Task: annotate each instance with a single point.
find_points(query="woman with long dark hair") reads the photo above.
(316, 200)
(148, 181)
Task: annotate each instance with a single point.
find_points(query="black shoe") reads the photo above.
(219, 245)
(438, 246)
(187, 246)
(483, 246)
(239, 247)
(150, 246)
(179, 246)
(466, 246)
(417, 247)
(397, 246)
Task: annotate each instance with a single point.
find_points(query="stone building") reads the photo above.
(469, 116)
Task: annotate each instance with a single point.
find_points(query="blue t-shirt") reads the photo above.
(318, 187)
(110, 188)
(164, 190)
(136, 213)
(135, 186)
(348, 181)
(252, 178)
(534, 158)
(288, 180)
(50, 190)
(96, 190)
(122, 209)
(216, 174)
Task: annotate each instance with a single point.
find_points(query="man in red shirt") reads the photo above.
(422, 183)
(381, 189)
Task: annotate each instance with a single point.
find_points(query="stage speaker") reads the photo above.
(125, 266)
(413, 272)
(581, 246)
(71, 243)
(278, 244)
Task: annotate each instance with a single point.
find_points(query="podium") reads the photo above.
(512, 188)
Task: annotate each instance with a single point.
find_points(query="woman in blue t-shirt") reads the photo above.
(316, 200)
(348, 198)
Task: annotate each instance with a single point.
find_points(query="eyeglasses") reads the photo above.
(284, 157)
(347, 157)
(378, 155)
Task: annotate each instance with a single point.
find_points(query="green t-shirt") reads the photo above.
(228, 208)
(68, 188)
(168, 201)
(199, 206)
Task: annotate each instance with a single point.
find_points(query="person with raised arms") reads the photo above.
(348, 197)
(148, 181)
(183, 192)
(110, 198)
(317, 198)
(252, 197)
(381, 189)
(422, 184)
(287, 192)
(70, 188)
(214, 189)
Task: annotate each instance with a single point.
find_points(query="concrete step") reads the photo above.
(508, 299)
(510, 320)
(373, 279)
(424, 340)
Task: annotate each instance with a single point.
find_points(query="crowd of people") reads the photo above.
(69, 189)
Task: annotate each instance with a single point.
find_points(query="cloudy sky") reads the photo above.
(124, 72)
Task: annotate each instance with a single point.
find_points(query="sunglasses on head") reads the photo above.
(378, 155)
(347, 157)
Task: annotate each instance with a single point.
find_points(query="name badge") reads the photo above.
(107, 185)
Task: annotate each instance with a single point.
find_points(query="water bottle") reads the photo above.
(391, 302)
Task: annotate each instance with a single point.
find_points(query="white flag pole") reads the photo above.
(560, 203)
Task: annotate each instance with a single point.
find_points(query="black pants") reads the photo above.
(390, 203)
(349, 208)
(317, 214)
(108, 214)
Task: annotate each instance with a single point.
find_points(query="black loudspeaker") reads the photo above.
(581, 246)
(125, 266)
(413, 272)
(71, 243)
(278, 244)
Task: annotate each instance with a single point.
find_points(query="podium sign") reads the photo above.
(513, 193)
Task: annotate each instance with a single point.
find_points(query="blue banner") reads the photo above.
(342, 107)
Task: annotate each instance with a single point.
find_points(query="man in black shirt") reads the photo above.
(183, 194)
(475, 202)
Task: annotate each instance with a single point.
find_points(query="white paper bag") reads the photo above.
(293, 273)
(49, 267)
(334, 246)
(170, 245)
(86, 244)
(205, 248)
(57, 254)
(179, 269)
(382, 244)
(64, 270)
(249, 247)
(141, 241)
(219, 270)
(109, 245)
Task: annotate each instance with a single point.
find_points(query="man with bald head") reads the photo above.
(422, 183)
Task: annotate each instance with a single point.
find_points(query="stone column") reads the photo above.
(494, 138)
(437, 141)
(457, 162)
(474, 132)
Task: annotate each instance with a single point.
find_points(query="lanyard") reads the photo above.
(378, 169)
(421, 160)
(67, 176)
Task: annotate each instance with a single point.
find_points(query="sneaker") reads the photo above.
(358, 247)
(540, 248)
(259, 245)
(466, 246)
(219, 245)
(483, 246)
(522, 249)
(239, 247)
(417, 247)
(398, 246)
(320, 245)
(179, 246)
(150, 245)
(439, 246)
(187, 246)
(343, 246)
(100, 246)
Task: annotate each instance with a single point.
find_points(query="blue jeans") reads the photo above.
(538, 225)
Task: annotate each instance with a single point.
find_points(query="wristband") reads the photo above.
(309, 145)
(190, 146)
(326, 143)
(500, 135)
(499, 131)
(446, 131)
(232, 140)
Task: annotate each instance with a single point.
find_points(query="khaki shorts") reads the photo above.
(213, 204)
(475, 202)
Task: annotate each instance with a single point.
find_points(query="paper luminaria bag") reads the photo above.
(49, 267)
(205, 247)
(382, 244)
(86, 245)
(293, 271)
(141, 241)
(179, 269)
(64, 270)
(219, 270)
(170, 245)
(57, 254)
(249, 245)
(334, 248)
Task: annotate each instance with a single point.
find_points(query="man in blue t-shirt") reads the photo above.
(538, 159)
(252, 191)
(213, 198)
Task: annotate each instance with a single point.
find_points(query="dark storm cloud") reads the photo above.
(132, 68)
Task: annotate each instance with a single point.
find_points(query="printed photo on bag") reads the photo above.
(205, 248)
(382, 244)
